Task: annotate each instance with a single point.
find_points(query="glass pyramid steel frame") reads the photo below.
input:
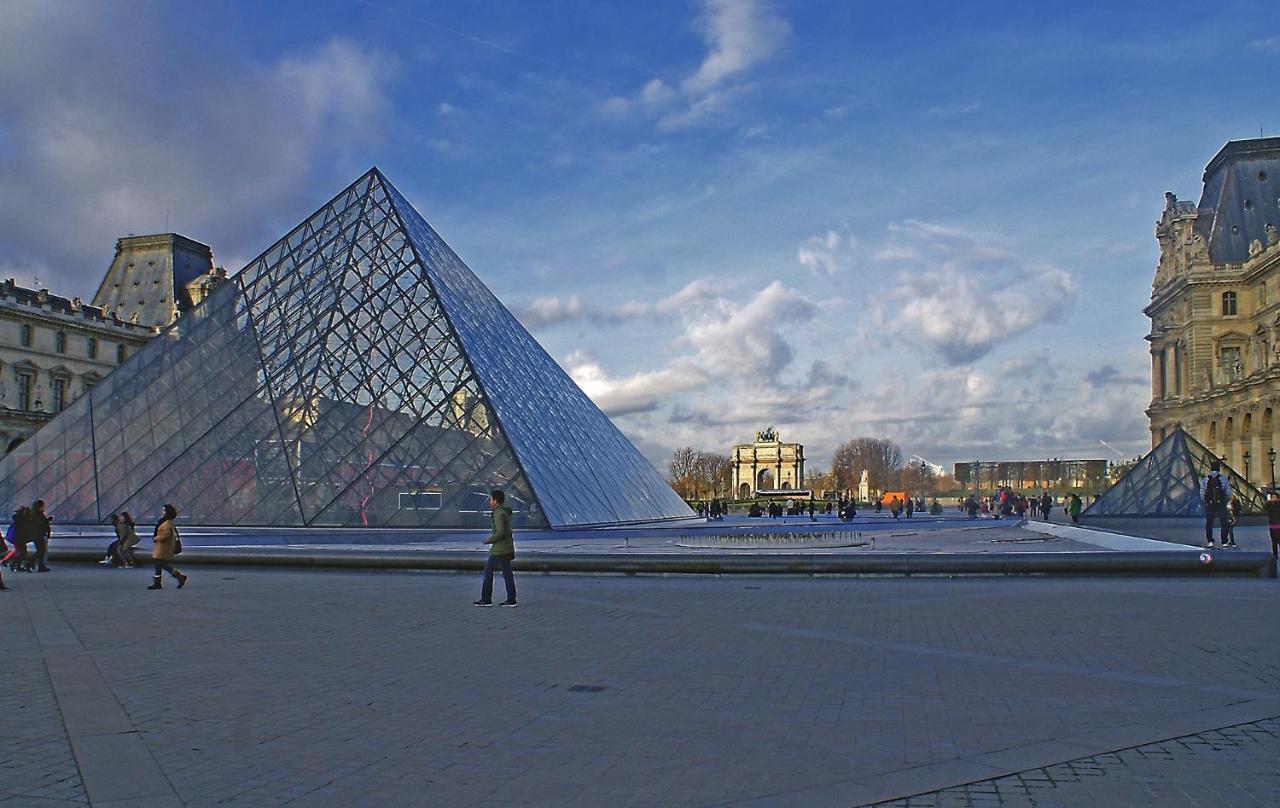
(357, 373)
(1167, 483)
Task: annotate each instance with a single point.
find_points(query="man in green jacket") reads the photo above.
(502, 548)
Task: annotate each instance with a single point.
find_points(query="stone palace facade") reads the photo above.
(1215, 310)
(54, 349)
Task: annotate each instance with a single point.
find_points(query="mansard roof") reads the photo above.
(1241, 197)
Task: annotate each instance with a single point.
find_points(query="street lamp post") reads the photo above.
(1246, 465)
(1271, 454)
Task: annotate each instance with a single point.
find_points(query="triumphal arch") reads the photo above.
(766, 465)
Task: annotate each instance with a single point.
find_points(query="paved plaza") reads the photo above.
(275, 687)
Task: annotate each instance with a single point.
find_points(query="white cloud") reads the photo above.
(549, 310)
(749, 338)
(827, 255)
(640, 392)
(739, 35)
(954, 292)
(963, 315)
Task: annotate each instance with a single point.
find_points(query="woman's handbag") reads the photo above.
(177, 542)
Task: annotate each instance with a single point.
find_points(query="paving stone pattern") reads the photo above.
(260, 687)
(1231, 766)
(37, 767)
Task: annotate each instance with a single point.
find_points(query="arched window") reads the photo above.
(1228, 304)
(1213, 433)
(1231, 430)
(1246, 429)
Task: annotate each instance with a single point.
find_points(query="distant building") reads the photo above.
(1032, 475)
(766, 464)
(1215, 309)
(54, 349)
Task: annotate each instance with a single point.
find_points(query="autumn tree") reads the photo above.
(695, 475)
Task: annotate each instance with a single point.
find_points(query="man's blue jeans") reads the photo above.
(508, 577)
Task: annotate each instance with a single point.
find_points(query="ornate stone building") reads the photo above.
(1215, 310)
(768, 464)
(53, 349)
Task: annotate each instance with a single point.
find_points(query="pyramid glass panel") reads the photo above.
(355, 374)
(1167, 483)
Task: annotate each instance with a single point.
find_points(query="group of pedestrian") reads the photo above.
(30, 524)
(120, 552)
(713, 510)
(1007, 502)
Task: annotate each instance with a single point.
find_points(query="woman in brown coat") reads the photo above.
(165, 539)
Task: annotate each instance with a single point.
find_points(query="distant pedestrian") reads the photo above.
(113, 557)
(16, 535)
(41, 527)
(1233, 516)
(911, 506)
(502, 549)
(1215, 493)
(813, 509)
(1273, 521)
(1074, 507)
(167, 544)
(129, 538)
(1046, 506)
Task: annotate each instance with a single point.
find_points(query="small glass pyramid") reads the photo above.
(1167, 483)
(356, 373)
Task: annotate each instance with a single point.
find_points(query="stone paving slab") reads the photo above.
(1233, 766)
(260, 687)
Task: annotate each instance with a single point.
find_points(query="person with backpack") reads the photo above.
(1215, 493)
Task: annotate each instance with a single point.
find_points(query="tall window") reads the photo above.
(26, 336)
(1228, 303)
(93, 347)
(24, 390)
(120, 354)
(60, 342)
(59, 395)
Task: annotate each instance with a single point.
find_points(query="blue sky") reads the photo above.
(909, 220)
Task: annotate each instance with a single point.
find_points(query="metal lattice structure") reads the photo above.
(356, 373)
(1167, 483)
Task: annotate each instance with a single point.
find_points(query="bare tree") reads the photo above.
(880, 457)
(683, 463)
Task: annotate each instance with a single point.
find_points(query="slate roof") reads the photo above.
(1242, 194)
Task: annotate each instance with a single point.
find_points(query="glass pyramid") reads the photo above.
(1167, 483)
(356, 373)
